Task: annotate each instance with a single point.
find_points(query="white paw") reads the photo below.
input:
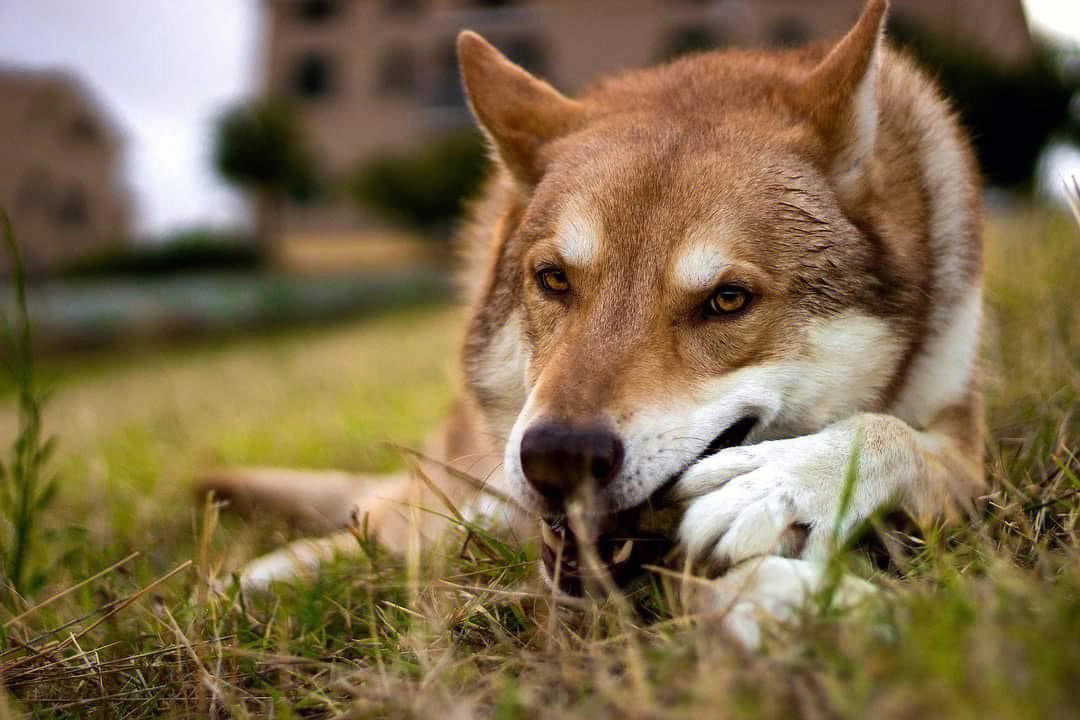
(298, 560)
(780, 497)
(770, 589)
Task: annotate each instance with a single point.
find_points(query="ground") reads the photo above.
(980, 621)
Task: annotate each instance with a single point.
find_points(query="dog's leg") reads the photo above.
(296, 560)
(316, 501)
(750, 505)
(746, 501)
(312, 500)
(768, 589)
(396, 510)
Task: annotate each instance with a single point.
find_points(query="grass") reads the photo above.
(980, 621)
(25, 492)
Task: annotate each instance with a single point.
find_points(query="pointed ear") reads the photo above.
(840, 98)
(518, 112)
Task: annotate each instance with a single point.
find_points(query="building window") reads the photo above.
(83, 129)
(396, 72)
(313, 76)
(74, 209)
(317, 10)
(524, 50)
(447, 91)
(788, 31)
(35, 191)
(528, 53)
(689, 39)
(402, 7)
(307, 191)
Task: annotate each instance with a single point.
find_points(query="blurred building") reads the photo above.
(380, 75)
(61, 175)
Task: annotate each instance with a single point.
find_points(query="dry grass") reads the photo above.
(979, 622)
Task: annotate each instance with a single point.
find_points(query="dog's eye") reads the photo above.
(728, 299)
(552, 280)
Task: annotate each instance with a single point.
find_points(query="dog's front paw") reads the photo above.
(758, 592)
(780, 497)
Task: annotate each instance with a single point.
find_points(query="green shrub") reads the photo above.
(185, 251)
(262, 147)
(25, 491)
(261, 144)
(1011, 111)
(424, 188)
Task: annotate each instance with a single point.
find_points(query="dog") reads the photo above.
(729, 305)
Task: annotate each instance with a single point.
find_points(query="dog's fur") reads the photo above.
(828, 189)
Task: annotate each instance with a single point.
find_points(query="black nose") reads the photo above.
(557, 459)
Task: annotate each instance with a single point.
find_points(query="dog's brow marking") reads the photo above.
(699, 267)
(579, 241)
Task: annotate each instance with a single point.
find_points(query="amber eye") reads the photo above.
(552, 280)
(728, 299)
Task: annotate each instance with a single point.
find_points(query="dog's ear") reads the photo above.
(840, 98)
(518, 112)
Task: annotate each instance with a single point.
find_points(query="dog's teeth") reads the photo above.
(624, 553)
(550, 537)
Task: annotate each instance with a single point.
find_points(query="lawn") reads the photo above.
(979, 621)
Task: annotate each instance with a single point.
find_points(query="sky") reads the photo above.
(1060, 18)
(167, 68)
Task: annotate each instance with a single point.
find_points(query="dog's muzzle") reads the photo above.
(615, 547)
(559, 459)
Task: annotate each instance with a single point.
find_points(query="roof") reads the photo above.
(50, 89)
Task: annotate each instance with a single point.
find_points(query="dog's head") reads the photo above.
(681, 260)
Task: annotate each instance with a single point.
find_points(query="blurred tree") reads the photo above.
(259, 145)
(424, 188)
(1011, 111)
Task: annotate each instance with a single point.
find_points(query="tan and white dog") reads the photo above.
(705, 286)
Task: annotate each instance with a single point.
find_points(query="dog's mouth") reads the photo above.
(579, 552)
(617, 553)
